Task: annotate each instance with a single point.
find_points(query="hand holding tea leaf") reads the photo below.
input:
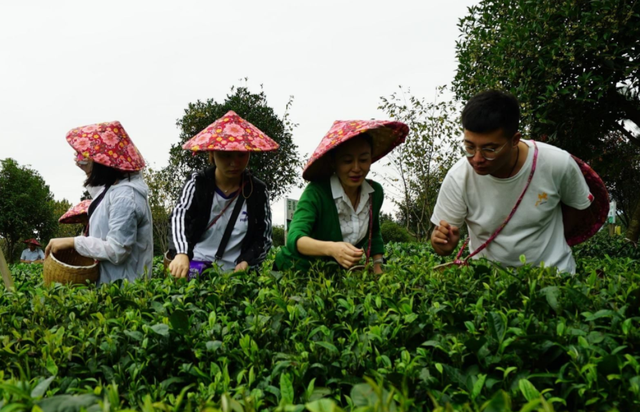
(346, 254)
(179, 266)
(445, 238)
(241, 266)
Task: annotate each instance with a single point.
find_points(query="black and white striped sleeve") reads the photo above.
(177, 233)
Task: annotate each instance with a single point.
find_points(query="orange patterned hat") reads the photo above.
(385, 134)
(107, 144)
(231, 133)
(77, 214)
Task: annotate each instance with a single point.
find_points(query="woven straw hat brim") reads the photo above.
(107, 144)
(231, 133)
(82, 218)
(77, 213)
(384, 140)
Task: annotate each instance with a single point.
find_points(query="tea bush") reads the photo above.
(476, 338)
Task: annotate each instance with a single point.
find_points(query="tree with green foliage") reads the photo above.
(279, 170)
(278, 235)
(161, 188)
(393, 232)
(26, 205)
(573, 64)
(422, 162)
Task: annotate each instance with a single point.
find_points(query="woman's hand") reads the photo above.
(346, 254)
(179, 266)
(378, 261)
(56, 245)
(241, 266)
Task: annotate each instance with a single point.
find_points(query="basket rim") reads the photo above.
(95, 263)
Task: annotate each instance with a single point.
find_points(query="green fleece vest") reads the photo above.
(316, 216)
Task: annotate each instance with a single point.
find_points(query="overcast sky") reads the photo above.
(70, 63)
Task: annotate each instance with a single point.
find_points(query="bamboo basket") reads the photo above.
(68, 266)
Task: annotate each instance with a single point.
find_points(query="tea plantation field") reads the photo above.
(478, 338)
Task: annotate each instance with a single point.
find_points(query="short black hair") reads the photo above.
(102, 175)
(492, 110)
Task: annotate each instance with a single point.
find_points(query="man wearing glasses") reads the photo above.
(483, 187)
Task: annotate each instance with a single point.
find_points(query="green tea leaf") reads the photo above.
(213, 346)
(330, 347)
(161, 329)
(286, 389)
(552, 293)
(42, 387)
(478, 385)
(497, 326)
(68, 403)
(528, 390)
(322, 405)
(51, 366)
(179, 320)
(603, 313)
(500, 402)
(134, 334)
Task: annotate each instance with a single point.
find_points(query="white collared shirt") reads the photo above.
(354, 223)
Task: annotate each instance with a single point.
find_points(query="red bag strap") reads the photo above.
(513, 211)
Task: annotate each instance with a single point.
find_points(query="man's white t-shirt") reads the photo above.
(536, 229)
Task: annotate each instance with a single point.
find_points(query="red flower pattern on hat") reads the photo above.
(77, 213)
(107, 144)
(385, 135)
(32, 241)
(231, 133)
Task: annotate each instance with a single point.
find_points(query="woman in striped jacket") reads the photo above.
(223, 216)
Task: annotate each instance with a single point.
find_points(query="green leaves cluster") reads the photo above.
(26, 207)
(421, 163)
(573, 64)
(478, 338)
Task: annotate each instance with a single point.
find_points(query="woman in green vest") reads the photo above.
(337, 217)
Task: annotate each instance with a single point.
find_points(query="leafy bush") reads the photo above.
(602, 244)
(473, 338)
(393, 232)
(278, 235)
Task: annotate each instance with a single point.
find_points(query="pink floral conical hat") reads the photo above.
(385, 134)
(589, 223)
(231, 133)
(32, 241)
(107, 144)
(77, 213)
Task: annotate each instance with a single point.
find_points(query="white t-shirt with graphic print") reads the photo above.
(205, 250)
(354, 223)
(536, 229)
